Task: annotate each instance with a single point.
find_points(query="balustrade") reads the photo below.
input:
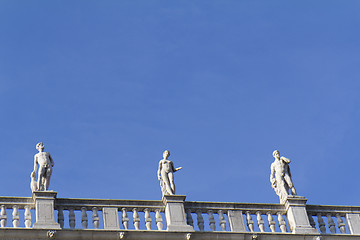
(147, 219)
(11, 210)
(61, 218)
(95, 217)
(222, 220)
(84, 218)
(159, 220)
(72, 218)
(200, 220)
(282, 222)
(15, 216)
(211, 220)
(136, 219)
(27, 216)
(249, 221)
(203, 216)
(333, 219)
(341, 224)
(271, 221)
(260, 221)
(330, 227)
(189, 219)
(251, 215)
(3, 216)
(88, 213)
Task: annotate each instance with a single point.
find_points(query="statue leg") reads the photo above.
(283, 190)
(290, 184)
(41, 174)
(171, 179)
(165, 178)
(47, 179)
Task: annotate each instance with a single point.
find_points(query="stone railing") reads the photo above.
(173, 213)
(236, 217)
(334, 219)
(115, 214)
(16, 211)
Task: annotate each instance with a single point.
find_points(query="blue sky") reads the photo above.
(109, 85)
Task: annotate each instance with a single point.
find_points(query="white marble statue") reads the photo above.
(165, 174)
(45, 163)
(280, 176)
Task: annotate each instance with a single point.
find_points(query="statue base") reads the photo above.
(175, 213)
(297, 216)
(44, 209)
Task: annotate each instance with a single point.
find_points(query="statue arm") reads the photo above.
(272, 175)
(288, 170)
(173, 168)
(51, 160)
(159, 170)
(33, 174)
(286, 160)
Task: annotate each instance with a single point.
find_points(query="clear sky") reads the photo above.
(109, 85)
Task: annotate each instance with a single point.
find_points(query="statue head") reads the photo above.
(276, 154)
(40, 146)
(166, 154)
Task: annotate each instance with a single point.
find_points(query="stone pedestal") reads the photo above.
(175, 213)
(297, 216)
(111, 218)
(353, 221)
(236, 221)
(44, 209)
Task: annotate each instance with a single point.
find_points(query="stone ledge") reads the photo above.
(89, 234)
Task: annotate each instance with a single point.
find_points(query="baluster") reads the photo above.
(211, 220)
(84, 218)
(189, 219)
(321, 223)
(282, 222)
(222, 221)
(95, 217)
(311, 220)
(61, 216)
(271, 221)
(159, 221)
(136, 219)
(260, 221)
(72, 218)
(125, 219)
(200, 220)
(250, 222)
(27, 217)
(147, 219)
(331, 223)
(341, 224)
(15, 216)
(3, 216)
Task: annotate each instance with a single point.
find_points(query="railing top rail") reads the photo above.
(21, 202)
(152, 205)
(225, 206)
(77, 203)
(332, 209)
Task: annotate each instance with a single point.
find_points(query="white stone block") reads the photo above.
(111, 218)
(297, 216)
(175, 213)
(44, 210)
(236, 221)
(353, 221)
